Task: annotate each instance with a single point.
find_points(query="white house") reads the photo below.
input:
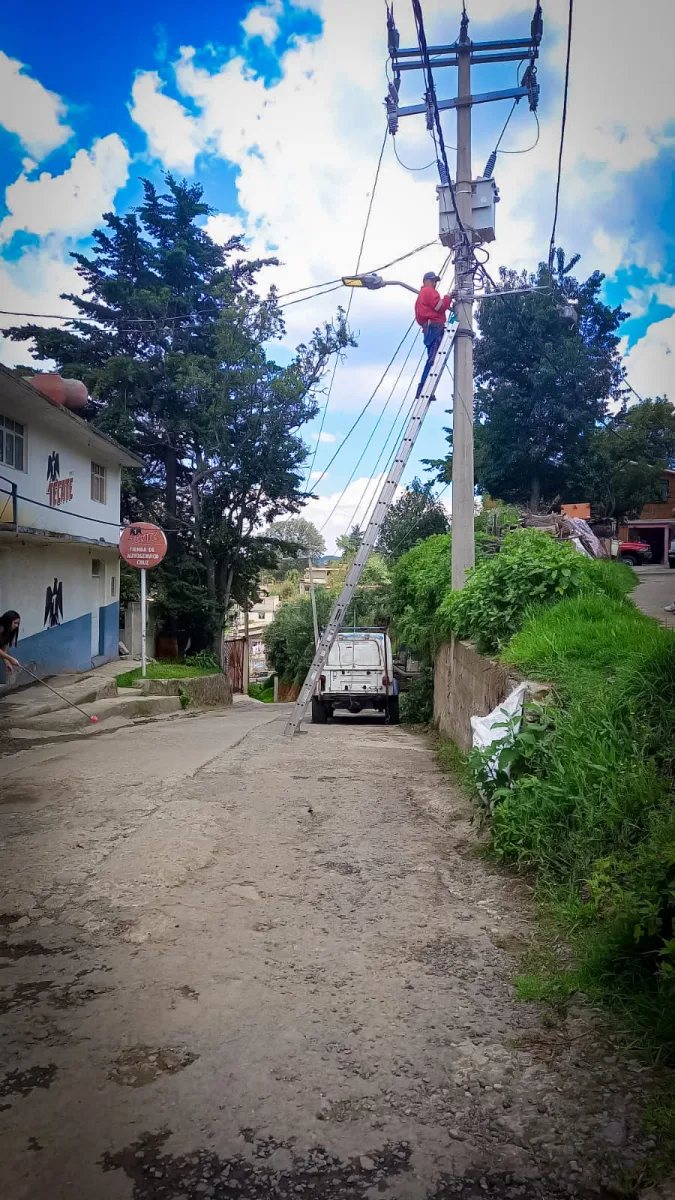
(59, 525)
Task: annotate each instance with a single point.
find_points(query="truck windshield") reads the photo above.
(351, 652)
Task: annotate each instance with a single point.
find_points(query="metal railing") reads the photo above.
(9, 503)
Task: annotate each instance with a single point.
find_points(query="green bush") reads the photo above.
(420, 582)
(531, 568)
(417, 704)
(289, 639)
(592, 807)
(205, 659)
(262, 691)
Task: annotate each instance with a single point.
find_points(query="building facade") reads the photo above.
(656, 523)
(59, 530)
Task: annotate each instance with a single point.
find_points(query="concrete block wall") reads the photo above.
(467, 684)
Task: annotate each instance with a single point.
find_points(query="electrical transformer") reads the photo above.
(484, 196)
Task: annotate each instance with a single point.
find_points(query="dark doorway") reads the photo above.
(655, 535)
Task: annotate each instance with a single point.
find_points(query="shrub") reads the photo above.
(590, 805)
(289, 639)
(420, 581)
(417, 704)
(531, 568)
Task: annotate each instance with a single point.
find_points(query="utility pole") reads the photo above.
(463, 550)
(313, 596)
(467, 214)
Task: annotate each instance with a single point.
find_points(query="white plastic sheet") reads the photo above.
(499, 727)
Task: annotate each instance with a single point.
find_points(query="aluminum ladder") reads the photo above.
(372, 532)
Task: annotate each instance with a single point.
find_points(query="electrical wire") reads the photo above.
(405, 165)
(349, 308)
(529, 148)
(372, 434)
(389, 461)
(563, 124)
(366, 405)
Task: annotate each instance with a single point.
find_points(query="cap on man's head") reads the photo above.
(431, 277)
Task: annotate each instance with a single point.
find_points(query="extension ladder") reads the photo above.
(372, 532)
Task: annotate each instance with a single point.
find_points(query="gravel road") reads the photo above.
(234, 966)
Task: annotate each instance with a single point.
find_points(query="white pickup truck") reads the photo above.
(358, 674)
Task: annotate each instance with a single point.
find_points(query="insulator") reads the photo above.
(537, 26)
(490, 165)
(442, 173)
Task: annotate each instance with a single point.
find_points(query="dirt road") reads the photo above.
(233, 966)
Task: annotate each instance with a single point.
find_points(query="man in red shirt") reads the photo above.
(430, 312)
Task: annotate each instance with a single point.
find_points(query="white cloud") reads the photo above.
(222, 226)
(33, 284)
(71, 203)
(651, 362)
(326, 438)
(351, 508)
(319, 475)
(263, 21)
(27, 109)
(173, 135)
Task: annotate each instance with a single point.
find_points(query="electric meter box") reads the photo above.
(484, 196)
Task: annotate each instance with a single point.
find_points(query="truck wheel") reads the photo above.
(319, 714)
(629, 560)
(392, 710)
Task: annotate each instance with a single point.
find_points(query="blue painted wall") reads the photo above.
(66, 647)
(109, 631)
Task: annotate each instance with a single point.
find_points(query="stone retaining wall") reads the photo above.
(205, 691)
(466, 684)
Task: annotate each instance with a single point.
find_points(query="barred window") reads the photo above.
(12, 439)
(98, 483)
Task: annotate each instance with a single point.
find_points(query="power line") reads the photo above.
(528, 148)
(372, 434)
(384, 447)
(563, 123)
(349, 308)
(366, 405)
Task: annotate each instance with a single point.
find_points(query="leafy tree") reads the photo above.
(370, 605)
(289, 639)
(349, 543)
(177, 371)
(420, 581)
(623, 469)
(415, 516)
(298, 539)
(543, 382)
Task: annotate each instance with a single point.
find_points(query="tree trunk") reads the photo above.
(535, 494)
(170, 499)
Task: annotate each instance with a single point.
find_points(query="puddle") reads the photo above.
(22, 1083)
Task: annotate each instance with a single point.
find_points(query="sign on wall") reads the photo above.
(54, 605)
(59, 491)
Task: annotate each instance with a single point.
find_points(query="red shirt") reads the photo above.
(430, 306)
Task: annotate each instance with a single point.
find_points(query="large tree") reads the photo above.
(170, 342)
(416, 515)
(623, 469)
(543, 382)
(299, 539)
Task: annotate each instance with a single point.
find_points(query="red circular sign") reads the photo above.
(142, 545)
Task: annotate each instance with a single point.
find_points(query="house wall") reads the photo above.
(662, 510)
(37, 508)
(87, 629)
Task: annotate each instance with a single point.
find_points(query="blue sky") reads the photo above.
(276, 108)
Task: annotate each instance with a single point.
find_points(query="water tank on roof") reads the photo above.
(71, 393)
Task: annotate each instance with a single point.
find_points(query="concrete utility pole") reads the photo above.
(463, 550)
(467, 213)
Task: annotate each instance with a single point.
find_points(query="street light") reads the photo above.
(373, 282)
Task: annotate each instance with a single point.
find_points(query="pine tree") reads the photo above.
(170, 342)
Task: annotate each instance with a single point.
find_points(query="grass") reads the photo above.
(593, 813)
(164, 669)
(263, 691)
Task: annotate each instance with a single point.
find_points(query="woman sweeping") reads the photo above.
(9, 636)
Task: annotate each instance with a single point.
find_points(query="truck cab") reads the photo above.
(358, 675)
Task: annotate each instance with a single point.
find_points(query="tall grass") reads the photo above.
(594, 813)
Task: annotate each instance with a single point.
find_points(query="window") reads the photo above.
(98, 483)
(113, 585)
(261, 616)
(95, 568)
(12, 437)
(663, 484)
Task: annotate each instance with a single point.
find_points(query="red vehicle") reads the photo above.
(635, 553)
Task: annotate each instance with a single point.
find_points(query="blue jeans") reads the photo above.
(432, 338)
